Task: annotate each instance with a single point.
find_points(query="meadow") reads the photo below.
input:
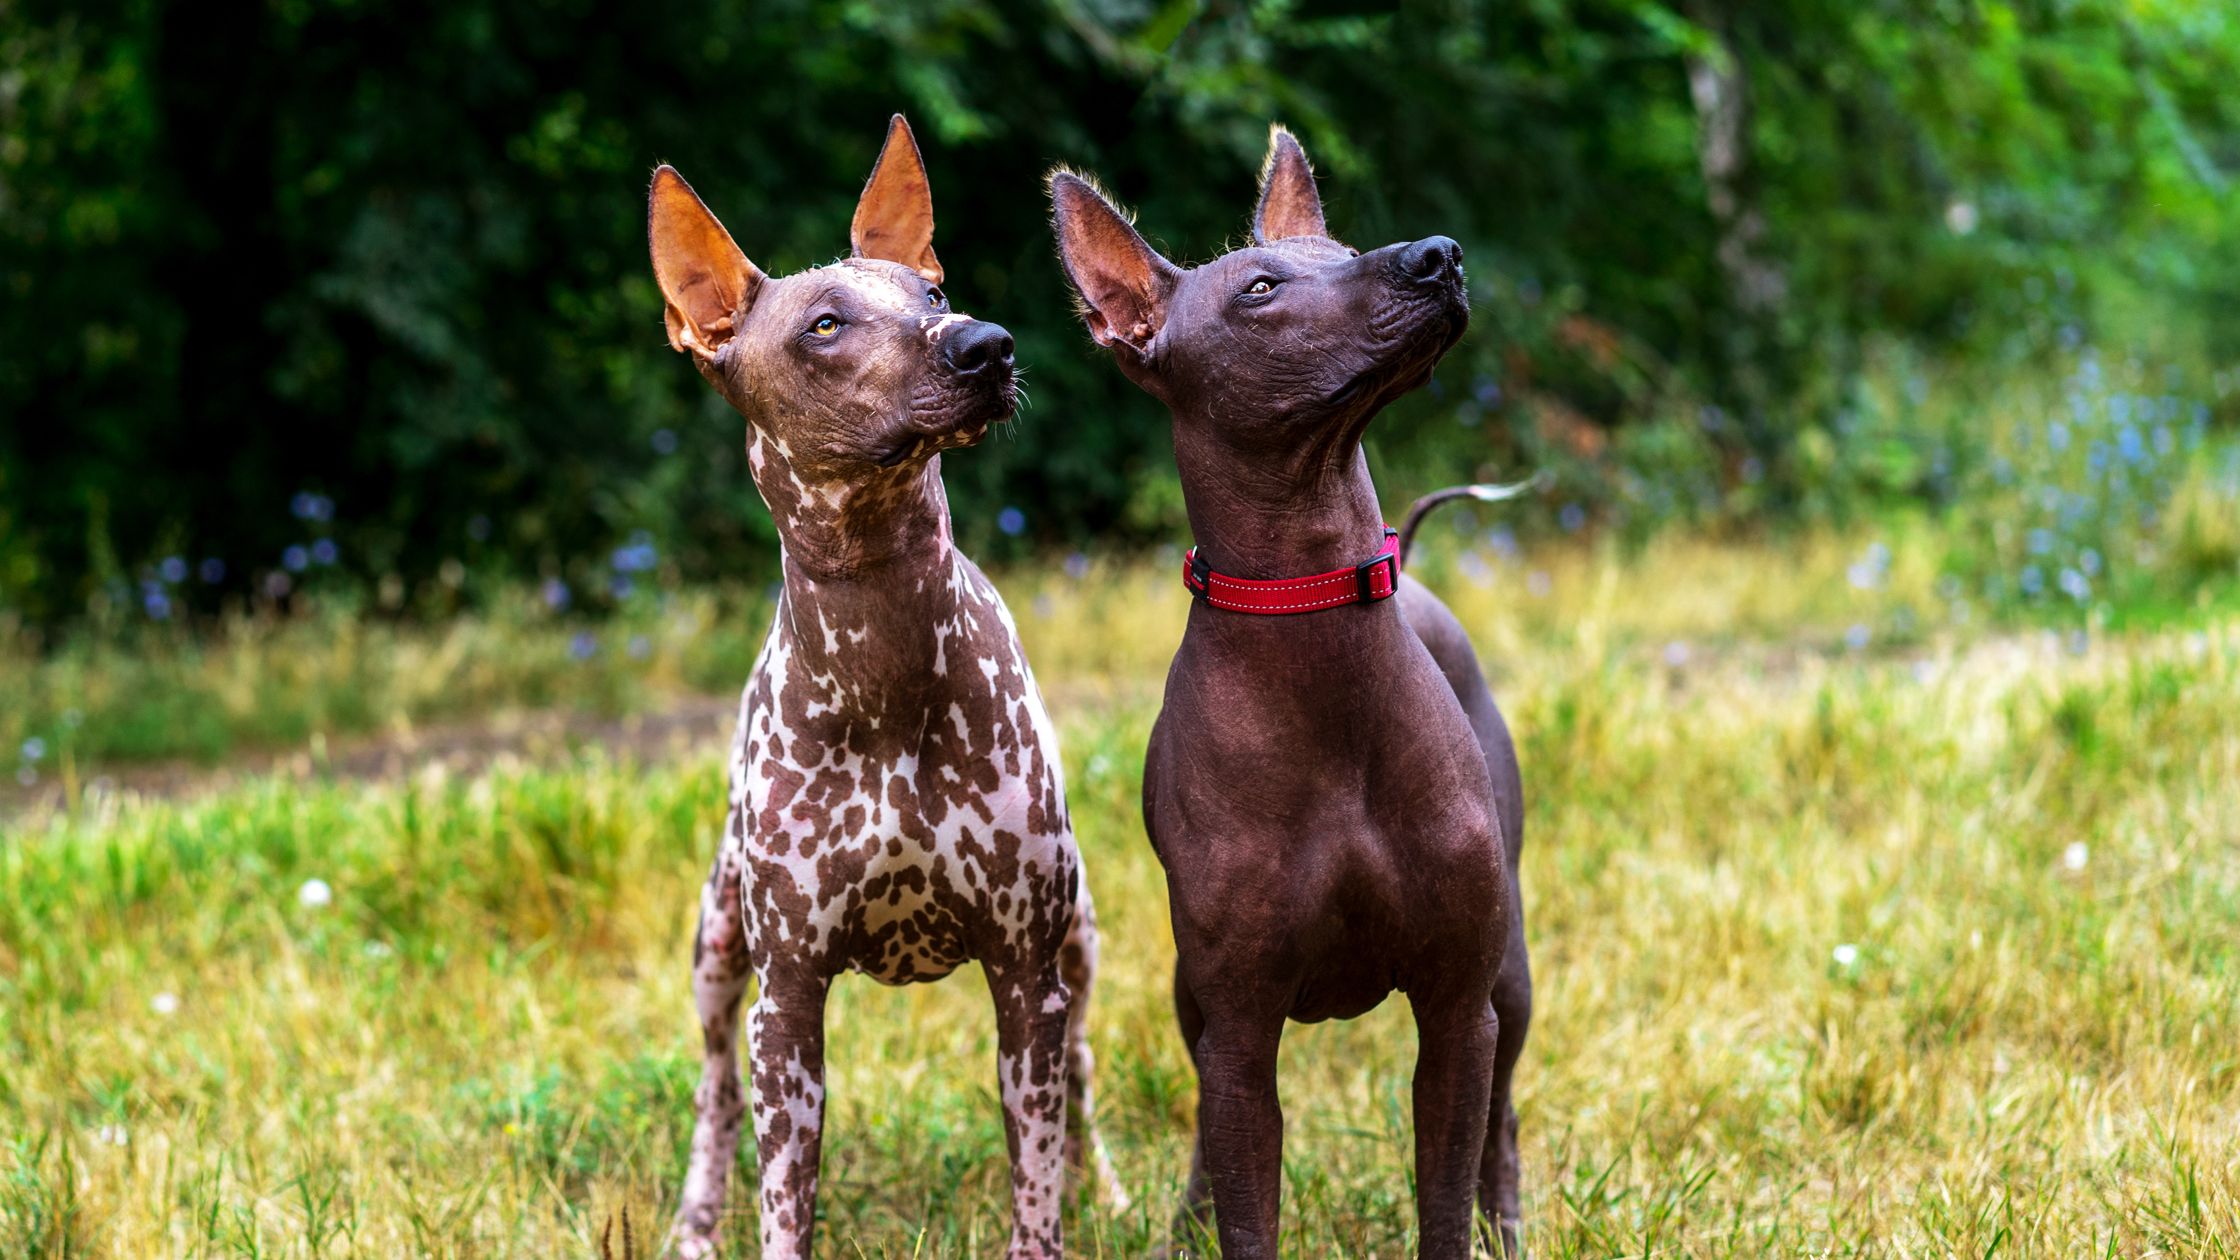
(1849, 941)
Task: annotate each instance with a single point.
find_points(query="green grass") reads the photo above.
(485, 1047)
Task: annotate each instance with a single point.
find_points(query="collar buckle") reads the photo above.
(1367, 589)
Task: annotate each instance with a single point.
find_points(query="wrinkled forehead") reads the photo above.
(858, 288)
(1291, 255)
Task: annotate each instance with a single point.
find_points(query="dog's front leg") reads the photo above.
(720, 968)
(1193, 1219)
(1031, 1018)
(1456, 1037)
(787, 1025)
(1240, 1127)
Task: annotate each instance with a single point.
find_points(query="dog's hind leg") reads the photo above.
(1087, 1160)
(1032, 1018)
(787, 1025)
(1499, 1175)
(720, 968)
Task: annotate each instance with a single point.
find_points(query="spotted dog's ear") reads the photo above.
(1124, 283)
(894, 218)
(706, 283)
(1289, 204)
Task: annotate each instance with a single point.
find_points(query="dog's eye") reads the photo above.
(934, 298)
(825, 327)
(1261, 288)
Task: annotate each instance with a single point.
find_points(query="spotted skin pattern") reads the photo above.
(898, 840)
(897, 806)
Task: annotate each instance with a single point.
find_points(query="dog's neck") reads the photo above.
(869, 579)
(1309, 511)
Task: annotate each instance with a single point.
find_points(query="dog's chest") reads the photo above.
(899, 830)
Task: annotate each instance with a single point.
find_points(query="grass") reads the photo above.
(1920, 948)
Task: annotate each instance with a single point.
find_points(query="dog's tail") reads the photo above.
(1484, 493)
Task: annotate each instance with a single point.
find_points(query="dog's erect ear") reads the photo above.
(894, 219)
(1289, 204)
(1124, 284)
(705, 281)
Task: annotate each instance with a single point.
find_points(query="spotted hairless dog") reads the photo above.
(897, 806)
(1331, 790)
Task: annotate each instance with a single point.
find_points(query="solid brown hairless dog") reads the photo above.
(897, 805)
(1333, 794)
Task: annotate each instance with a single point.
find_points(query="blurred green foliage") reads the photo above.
(329, 291)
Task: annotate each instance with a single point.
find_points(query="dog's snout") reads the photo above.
(976, 348)
(1432, 260)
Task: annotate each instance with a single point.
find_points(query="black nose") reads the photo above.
(1431, 260)
(977, 347)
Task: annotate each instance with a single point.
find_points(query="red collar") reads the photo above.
(1375, 578)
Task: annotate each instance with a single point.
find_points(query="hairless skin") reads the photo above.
(897, 804)
(1334, 795)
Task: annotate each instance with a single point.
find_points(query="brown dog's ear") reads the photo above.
(705, 280)
(1289, 204)
(1124, 284)
(894, 219)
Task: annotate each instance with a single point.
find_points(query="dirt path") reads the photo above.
(689, 724)
(683, 726)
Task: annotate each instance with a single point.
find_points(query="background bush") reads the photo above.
(356, 294)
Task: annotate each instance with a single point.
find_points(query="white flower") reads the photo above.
(2076, 855)
(164, 1003)
(1846, 955)
(1960, 216)
(378, 949)
(1676, 653)
(113, 1135)
(315, 893)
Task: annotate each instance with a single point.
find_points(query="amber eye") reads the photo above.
(825, 327)
(934, 298)
(1261, 288)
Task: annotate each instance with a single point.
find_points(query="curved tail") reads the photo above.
(1484, 493)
